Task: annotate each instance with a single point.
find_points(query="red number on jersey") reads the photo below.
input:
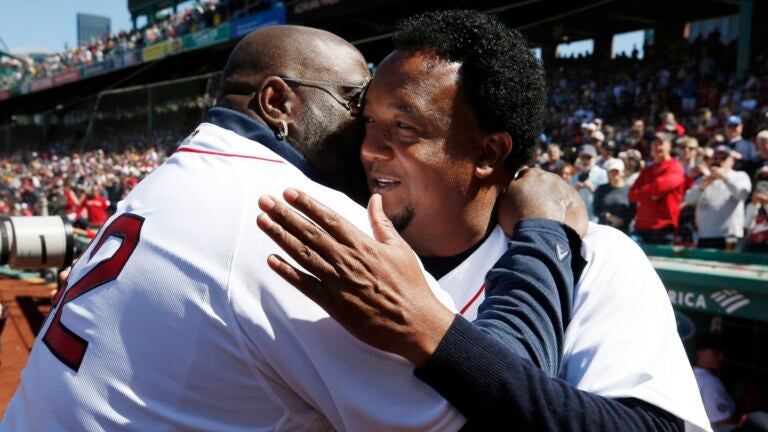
(63, 342)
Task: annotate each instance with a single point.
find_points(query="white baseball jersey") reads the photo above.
(466, 282)
(622, 339)
(717, 402)
(175, 322)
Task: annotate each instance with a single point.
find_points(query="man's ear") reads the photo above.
(276, 103)
(494, 150)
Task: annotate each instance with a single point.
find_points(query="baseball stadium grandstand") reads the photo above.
(80, 128)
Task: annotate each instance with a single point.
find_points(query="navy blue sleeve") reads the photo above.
(499, 371)
(494, 388)
(529, 292)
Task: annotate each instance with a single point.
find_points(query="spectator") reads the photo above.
(589, 177)
(633, 164)
(734, 140)
(690, 154)
(761, 143)
(96, 206)
(756, 235)
(718, 196)
(718, 403)
(612, 205)
(636, 138)
(72, 200)
(657, 193)
(566, 172)
(554, 161)
(57, 200)
(669, 124)
(608, 151)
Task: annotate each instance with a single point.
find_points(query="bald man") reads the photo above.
(172, 321)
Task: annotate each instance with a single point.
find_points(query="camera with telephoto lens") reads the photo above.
(37, 242)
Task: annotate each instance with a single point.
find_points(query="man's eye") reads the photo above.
(401, 125)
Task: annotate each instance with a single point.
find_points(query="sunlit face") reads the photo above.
(553, 153)
(586, 160)
(328, 134)
(615, 176)
(567, 173)
(733, 131)
(661, 148)
(762, 147)
(690, 151)
(421, 138)
(722, 160)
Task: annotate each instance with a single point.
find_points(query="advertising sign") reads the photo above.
(243, 26)
(206, 37)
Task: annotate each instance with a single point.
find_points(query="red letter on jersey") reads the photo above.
(63, 342)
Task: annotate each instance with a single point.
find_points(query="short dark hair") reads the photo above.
(500, 77)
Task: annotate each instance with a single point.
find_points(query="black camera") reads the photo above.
(38, 242)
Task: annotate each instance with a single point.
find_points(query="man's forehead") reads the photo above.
(331, 61)
(418, 80)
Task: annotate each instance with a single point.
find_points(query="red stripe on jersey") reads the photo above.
(474, 298)
(191, 150)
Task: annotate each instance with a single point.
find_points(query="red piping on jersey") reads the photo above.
(191, 150)
(474, 298)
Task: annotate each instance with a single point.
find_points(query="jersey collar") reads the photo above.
(254, 130)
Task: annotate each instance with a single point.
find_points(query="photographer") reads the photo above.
(719, 197)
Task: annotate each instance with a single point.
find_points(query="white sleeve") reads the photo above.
(739, 184)
(692, 195)
(717, 403)
(622, 340)
(313, 364)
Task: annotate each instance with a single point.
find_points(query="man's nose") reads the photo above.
(375, 147)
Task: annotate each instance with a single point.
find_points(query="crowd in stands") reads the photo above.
(84, 186)
(205, 14)
(671, 149)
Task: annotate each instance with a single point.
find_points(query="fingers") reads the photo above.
(308, 236)
(338, 227)
(383, 230)
(309, 285)
(304, 254)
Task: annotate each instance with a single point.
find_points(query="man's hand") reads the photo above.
(720, 173)
(706, 181)
(373, 287)
(542, 195)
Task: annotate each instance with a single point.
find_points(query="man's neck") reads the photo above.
(439, 266)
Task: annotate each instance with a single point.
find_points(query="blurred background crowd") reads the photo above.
(670, 149)
(667, 142)
(202, 15)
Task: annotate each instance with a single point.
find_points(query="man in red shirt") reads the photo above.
(97, 207)
(73, 202)
(658, 192)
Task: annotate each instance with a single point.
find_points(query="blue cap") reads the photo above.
(733, 120)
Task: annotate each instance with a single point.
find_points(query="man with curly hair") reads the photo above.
(450, 117)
